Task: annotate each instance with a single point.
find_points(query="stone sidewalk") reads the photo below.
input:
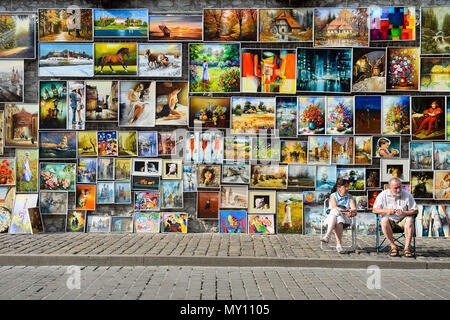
(208, 249)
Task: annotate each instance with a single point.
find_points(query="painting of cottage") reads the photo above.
(283, 25)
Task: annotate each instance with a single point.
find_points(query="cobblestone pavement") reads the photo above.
(206, 245)
(220, 283)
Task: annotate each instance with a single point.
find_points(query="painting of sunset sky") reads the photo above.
(176, 27)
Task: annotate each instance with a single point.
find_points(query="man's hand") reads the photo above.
(391, 211)
(400, 212)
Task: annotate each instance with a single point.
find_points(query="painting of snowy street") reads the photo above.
(66, 60)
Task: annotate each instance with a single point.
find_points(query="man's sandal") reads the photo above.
(408, 253)
(394, 252)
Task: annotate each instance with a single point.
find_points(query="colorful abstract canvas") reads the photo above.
(392, 23)
(147, 222)
(231, 221)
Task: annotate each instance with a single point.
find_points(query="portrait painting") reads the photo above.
(115, 59)
(334, 66)
(66, 60)
(122, 23)
(105, 192)
(209, 112)
(214, 67)
(421, 155)
(27, 170)
(53, 202)
(341, 27)
(325, 177)
(105, 169)
(160, 60)
(367, 114)
(121, 224)
(396, 115)
(127, 143)
(268, 70)
(369, 70)
(53, 105)
(262, 202)
(76, 113)
(21, 125)
(290, 212)
(147, 222)
(285, 25)
(252, 115)
(386, 147)
(392, 23)
(176, 27)
(300, 175)
(172, 169)
(171, 194)
(209, 176)
(85, 197)
(435, 73)
(372, 196)
(230, 25)
(75, 221)
(311, 115)
(147, 143)
(403, 69)
(21, 41)
(422, 184)
(319, 150)
(65, 25)
(236, 173)
(363, 150)
(428, 118)
(233, 197)
(208, 205)
(232, 221)
(174, 222)
(434, 25)
(98, 223)
(137, 103)
(107, 143)
(12, 81)
(340, 112)
(294, 151)
(172, 103)
(442, 185)
(263, 224)
(57, 176)
(102, 100)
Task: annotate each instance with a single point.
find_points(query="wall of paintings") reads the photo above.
(224, 120)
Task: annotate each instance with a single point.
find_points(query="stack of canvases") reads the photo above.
(279, 134)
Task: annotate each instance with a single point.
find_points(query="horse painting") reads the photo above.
(114, 59)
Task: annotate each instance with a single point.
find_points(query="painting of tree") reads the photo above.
(230, 24)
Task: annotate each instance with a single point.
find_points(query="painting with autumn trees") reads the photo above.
(59, 25)
(337, 27)
(283, 25)
(230, 25)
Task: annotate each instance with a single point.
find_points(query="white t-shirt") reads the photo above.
(385, 200)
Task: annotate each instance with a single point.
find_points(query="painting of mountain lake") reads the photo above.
(176, 27)
(66, 60)
(57, 144)
(130, 23)
(18, 34)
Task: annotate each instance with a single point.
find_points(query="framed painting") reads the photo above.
(394, 168)
(27, 170)
(403, 67)
(115, 59)
(392, 23)
(433, 25)
(76, 221)
(53, 105)
(22, 31)
(174, 222)
(208, 205)
(368, 223)
(441, 185)
(137, 101)
(237, 149)
(102, 100)
(355, 177)
(367, 114)
(209, 176)
(121, 23)
(266, 148)
(21, 125)
(20, 220)
(214, 67)
(76, 113)
(35, 220)
(122, 169)
(230, 25)
(98, 223)
(105, 170)
(252, 115)
(231, 221)
(286, 116)
(172, 169)
(190, 178)
(369, 70)
(286, 25)
(145, 183)
(263, 224)
(422, 184)
(311, 115)
(209, 112)
(7, 172)
(294, 151)
(122, 192)
(160, 60)
(53, 202)
(57, 176)
(396, 115)
(236, 173)
(435, 74)
(172, 103)
(421, 155)
(105, 192)
(340, 111)
(342, 150)
(127, 143)
(107, 143)
(441, 156)
(66, 60)
(319, 150)
(429, 221)
(57, 145)
(147, 222)
(147, 143)
(363, 150)
(146, 167)
(290, 212)
(147, 200)
(122, 224)
(166, 143)
(326, 177)
(269, 176)
(171, 194)
(428, 118)
(12, 89)
(361, 203)
(386, 147)
(65, 25)
(300, 175)
(87, 144)
(176, 27)
(85, 196)
(262, 202)
(205, 147)
(233, 197)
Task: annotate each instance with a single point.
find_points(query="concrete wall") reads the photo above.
(194, 6)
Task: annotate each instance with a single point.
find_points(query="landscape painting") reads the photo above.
(53, 105)
(171, 194)
(363, 150)
(392, 23)
(341, 27)
(122, 192)
(435, 74)
(284, 25)
(62, 25)
(230, 25)
(121, 224)
(237, 148)
(294, 151)
(176, 27)
(105, 169)
(121, 23)
(324, 70)
(290, 212)
(319, 150)
(102, 100)
(435, 26)
(57, 144)
(115, 59)
(21, 125)
(122, 169)
(268, 176)
(137, 101)
(97, 223)
(87, 170)
(268, 70)
(342, 150)
(214, 67)
(441, 155)
(11, 81)
(300, 175)
(209, 112)
(421, 155)
(238, 173)
(325, 177)
(367, 114)
(160, 60)
(252, 115)
(66, 60)
(87, 143)
(403, 69)
(18, 34)
(369, 70)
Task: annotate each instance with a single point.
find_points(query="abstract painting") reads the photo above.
(147, 222)
(392, 23)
